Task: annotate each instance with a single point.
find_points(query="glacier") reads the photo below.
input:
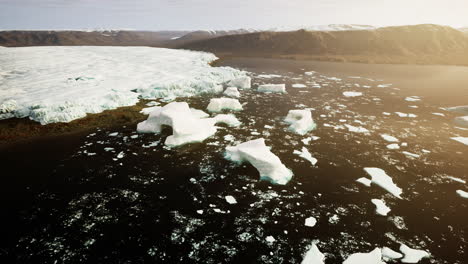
(61, 84)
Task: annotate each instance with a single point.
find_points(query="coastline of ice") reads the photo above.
(83, 79)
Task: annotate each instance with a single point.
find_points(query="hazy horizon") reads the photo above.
(218, 15)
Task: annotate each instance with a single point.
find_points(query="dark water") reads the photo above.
(142, 207)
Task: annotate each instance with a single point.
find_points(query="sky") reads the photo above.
(224, 14)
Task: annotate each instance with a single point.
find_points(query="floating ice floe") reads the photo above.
(462, 121)
(268, 76)
(100, 78)
(413, 98)
(299, 85)
(232, 92)
(456, 179)
(381, 207)
(300, 121)
(352, 94)
(220, 104)
(243, 82)
(259, 155)
(310, 222)
(148, 110)
(412, 255)
(305, 154)
(356, 129)
(438, 114)
(187, 127)
(270, 239)
(463, 140)
(152, 103)
(230, 199)
(381, 178)
(308, 139)
(390, 254)
(313, 256)
(462, 194)
(400, 114)
(393, 146)
(389, 138)
(409, 154)
(272, 88)
(364, 181)
(373, 257)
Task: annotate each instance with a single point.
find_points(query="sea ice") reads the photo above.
(463, 140)
(272, 88)
(243, 82)
(230, 199)
(364, 181)
(220, 104)
(381, 207)
(412, 255)
(393, 146)
(389, 138)
(381, 178)
(413, 98)
(352, 94)
(462, 194)
(310, 222)
(84, 79)
(400, 114)
(148, 110)
(462, 121)
(187, 127)
(259, 155)
(270, 239)
(313, 256)
(300, 121)
(409, 154)
(373, 257)
(299, 85)
(305, 154)
(356, 129)
(389, 254)
(232, 92)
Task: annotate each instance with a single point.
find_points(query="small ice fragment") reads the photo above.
(300, 121)
(373, 257)
(381, 178)
(272, 88)
(410, 154)
(352, 94)
(356, 129)
(120, 155)
(270, 239)
(299, 85)
(393, 146)
(230, 199)
(114, 134)
(305, 154)
(389, 138)
(232, 92)
(241, 82)
(438, 114)
(412, 255)
(462, 194)
(382, 208)
(310, 222)
(364, 181)
(456, 179)
(412, 98)
(219, 104)
(200, 212)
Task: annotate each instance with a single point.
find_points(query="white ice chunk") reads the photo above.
(272, 88)
(300, 121)
(462, 194)
(310, 222)
(270, 239)
(356, 129)
(228, 119)
(232, 92)
(305, 154)
(364, 181)
(219, 104)
(409, 154)
(91, 79)
(400, 114)
(373, 257)
(259, 155)
(187, 127)
(382, 208)
(241, 82)
(393, 146)
(389, 138)
(463, 140)
(148, 110)
(438, 114)
(462, 121)
(456, 179)
(230, 199)
(413, 98)
(299, 85)
(199, 113)
(412, 255)
(313, 256)
(352, 94)
(389, 254)
(381, 178)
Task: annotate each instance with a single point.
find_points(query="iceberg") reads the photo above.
(381, 207)
(187, 127)
(313, 256)
(220, 104)
(412, 255)
(231, 92)
(259, 155)
(272, 88)
(373, 257)
(83, 79)
(381, 178)
(300, 121)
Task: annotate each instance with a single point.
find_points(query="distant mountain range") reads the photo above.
(426, 44)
